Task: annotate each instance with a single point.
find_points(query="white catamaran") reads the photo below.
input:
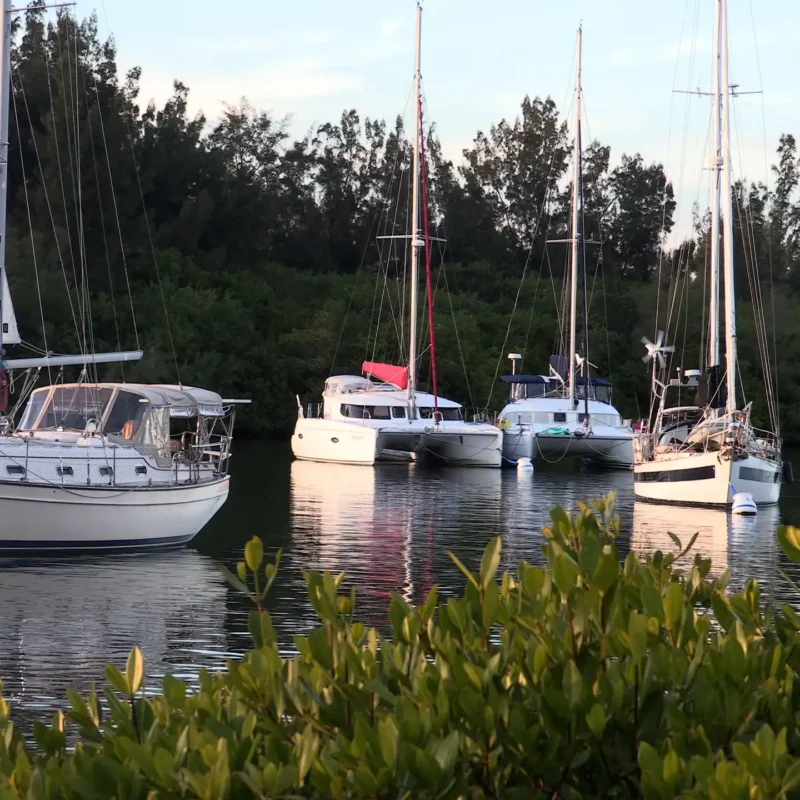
(565, 414)
(100, 465)
(361, 421)
(704, 452)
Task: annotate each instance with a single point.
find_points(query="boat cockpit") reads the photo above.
(526, 387)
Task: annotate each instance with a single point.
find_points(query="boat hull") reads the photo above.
(706, 479)
(457, 444)
(335, 442)
(50, 517)
(606, 447)
(479, 449)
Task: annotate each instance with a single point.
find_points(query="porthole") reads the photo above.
(335, 440)
(141, 470)
(299, 435)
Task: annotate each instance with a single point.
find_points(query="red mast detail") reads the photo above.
(424, 181)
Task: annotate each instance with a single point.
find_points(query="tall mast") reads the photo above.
(716, 172)
(416, 243)
(727, 211)
(5, 106)
(576, 172)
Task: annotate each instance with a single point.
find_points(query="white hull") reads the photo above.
(605, 445)
(50, 517)
(340, 442)
(706, 479)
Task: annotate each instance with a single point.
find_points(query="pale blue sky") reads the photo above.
(313, 58)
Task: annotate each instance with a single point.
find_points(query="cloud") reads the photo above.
(281, 83)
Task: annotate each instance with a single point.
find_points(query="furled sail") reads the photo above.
(389, 373)
(10, 332)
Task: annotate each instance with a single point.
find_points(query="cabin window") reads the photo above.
(141, 470)
(106, 471)
(582, 417)
(64, 471)
(33, 409)
(379, 412)
(71, 407)
(398, 412)
(559, 416)
(127, 412)
(15, 469)
(351, 410)
(449, 414)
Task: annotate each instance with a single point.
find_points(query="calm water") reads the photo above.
(62, 619)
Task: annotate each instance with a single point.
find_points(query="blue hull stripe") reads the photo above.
(101, 544)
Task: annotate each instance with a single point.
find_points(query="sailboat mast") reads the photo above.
(576, 170)
(5, 106)
(716, 172)
(727, 211)
(415, 237)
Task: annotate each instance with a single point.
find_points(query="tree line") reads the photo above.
(256, 258)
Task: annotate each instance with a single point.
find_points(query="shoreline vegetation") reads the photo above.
(260, 245)
(584, 678)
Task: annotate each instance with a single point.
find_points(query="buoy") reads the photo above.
(524, 465)
(744, 504)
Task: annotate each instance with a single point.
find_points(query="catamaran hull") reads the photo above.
(351, 443)
(50, 517)
(610, 450)
(706, 479)
(484, 449)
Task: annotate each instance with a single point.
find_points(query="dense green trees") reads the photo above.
(263, 252)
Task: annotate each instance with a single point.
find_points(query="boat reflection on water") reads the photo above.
(388, 528)
(64, 619)
(748, 543)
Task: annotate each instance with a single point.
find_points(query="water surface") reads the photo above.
(387, 528)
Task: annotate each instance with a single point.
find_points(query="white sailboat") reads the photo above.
(101, 465)
(361, 421)
(705, 452)
(566, 414)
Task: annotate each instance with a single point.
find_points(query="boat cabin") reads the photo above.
(525, 387)
(165, 419)
(353, 397)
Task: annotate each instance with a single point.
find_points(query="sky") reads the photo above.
(311, 59)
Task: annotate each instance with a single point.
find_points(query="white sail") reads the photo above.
(10, 331)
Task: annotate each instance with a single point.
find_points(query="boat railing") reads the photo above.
(314, 411)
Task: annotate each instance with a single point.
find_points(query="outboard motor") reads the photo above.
(786, 472)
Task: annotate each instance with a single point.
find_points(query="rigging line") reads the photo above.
(669, 151)
(545, 196)
(769, 238)
(66, 87)
(84, 268)
(375, 219)
(30, 228)
(751, 265)
(123, 254)
(155, 257)
(101, 212)
(48, 203)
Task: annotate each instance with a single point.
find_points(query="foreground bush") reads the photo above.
(584, 678)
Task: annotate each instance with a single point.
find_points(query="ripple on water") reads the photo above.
(387, 528)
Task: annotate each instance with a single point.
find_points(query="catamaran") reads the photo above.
(566, 414)
(100, 465)
(363, 421)
(706, 451)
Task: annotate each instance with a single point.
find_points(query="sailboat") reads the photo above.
(100, 465)
(381, 415)
(704, 452)
(567, 413)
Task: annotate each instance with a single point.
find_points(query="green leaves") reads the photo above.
(576, 679)
(789, 539)
(254, 554)
(490, 562)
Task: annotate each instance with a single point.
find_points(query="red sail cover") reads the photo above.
(390, 373)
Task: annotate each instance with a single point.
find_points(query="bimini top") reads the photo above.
(544, 379)
(183, 401)
(529, 379)
(347, 384)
